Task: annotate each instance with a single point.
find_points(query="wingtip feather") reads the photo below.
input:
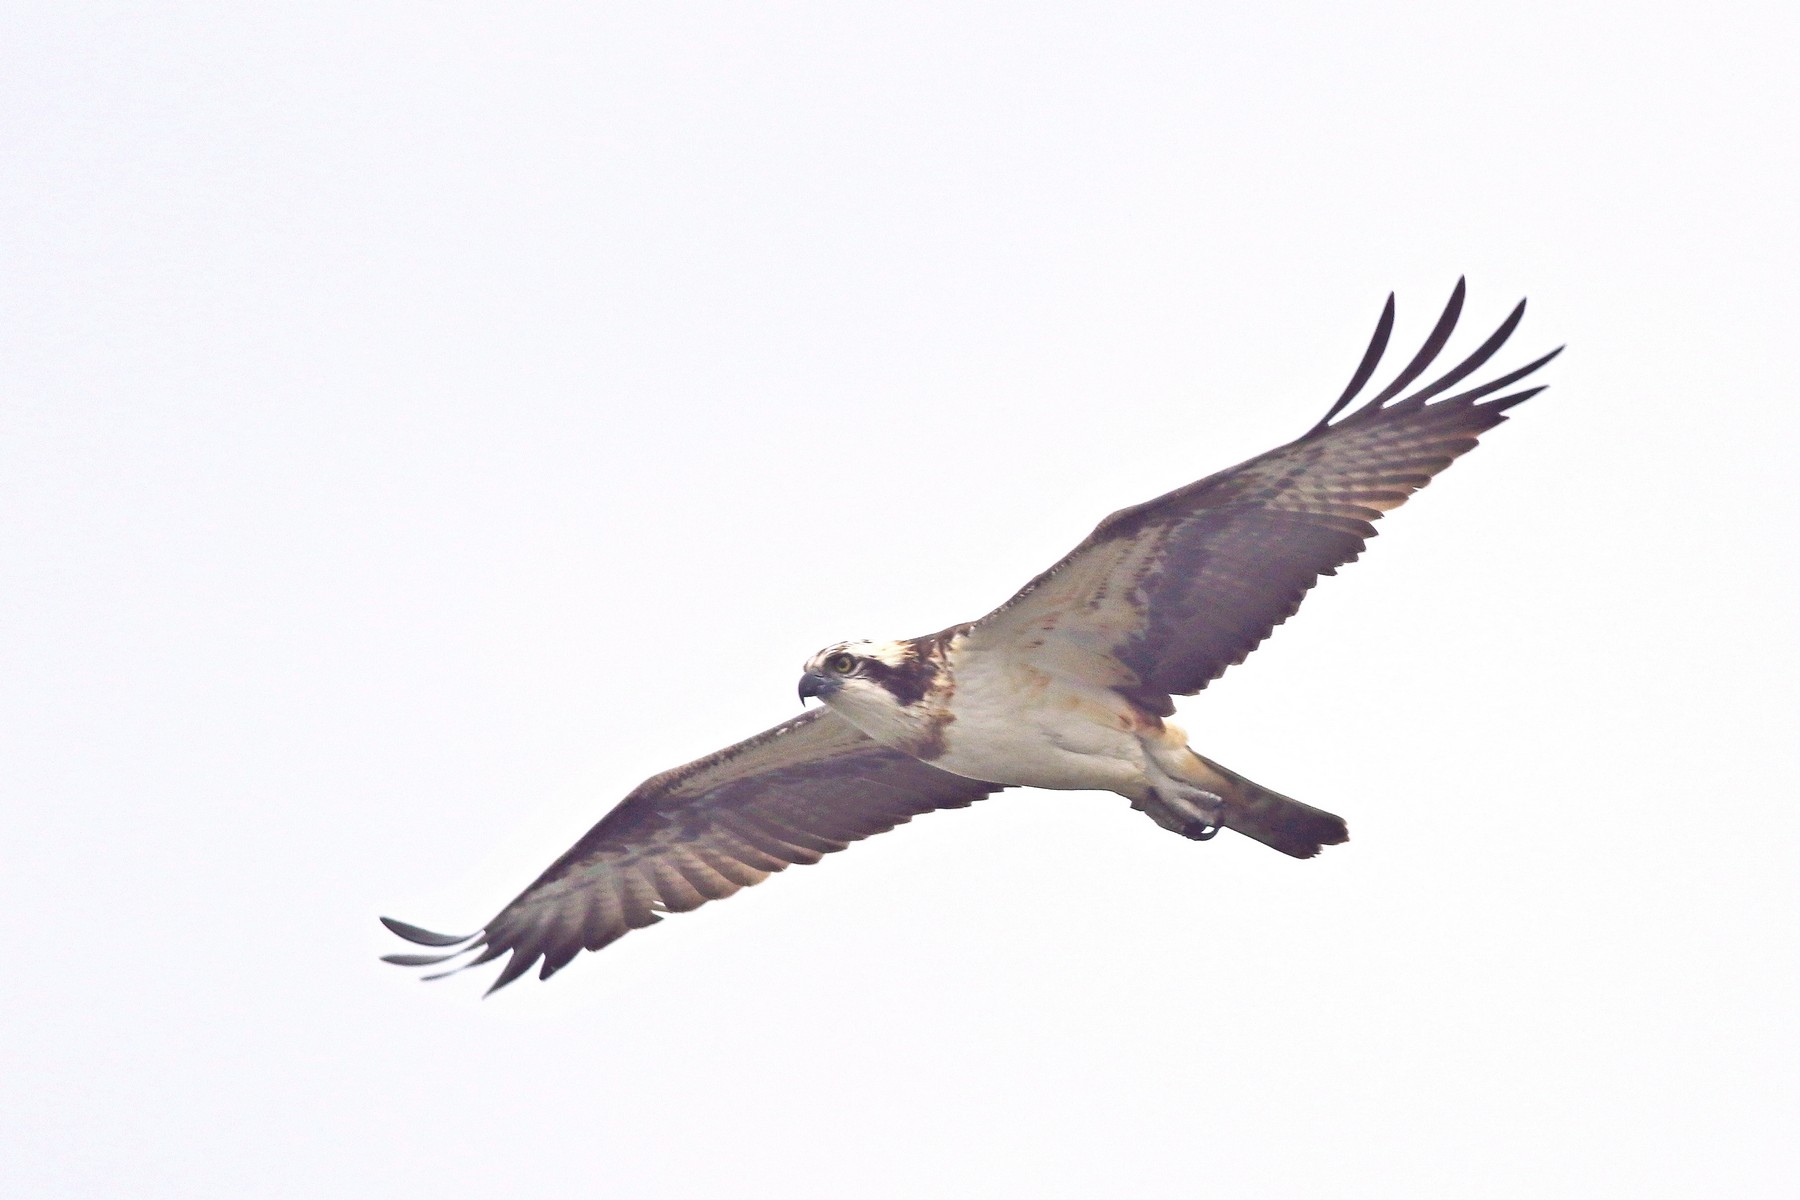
(1384, 327)
(1503, 403)
(417, 960)
(424, 937)
(517, 965)
(1434, 345)
(1472, 363)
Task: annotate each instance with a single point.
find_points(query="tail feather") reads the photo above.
(1275, 820)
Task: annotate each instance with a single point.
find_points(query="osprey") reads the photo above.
(1067, 685)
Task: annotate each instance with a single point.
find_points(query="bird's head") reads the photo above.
(876, 686)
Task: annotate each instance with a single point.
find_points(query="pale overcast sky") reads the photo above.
(420, 423)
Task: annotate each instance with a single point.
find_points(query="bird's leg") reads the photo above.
(1184, 795)
(1187, 810)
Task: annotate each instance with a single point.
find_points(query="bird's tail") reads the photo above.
(1271, 818)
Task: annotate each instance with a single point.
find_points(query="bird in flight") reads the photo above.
(1067, 685)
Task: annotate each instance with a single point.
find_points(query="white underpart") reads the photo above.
(1047, 717)
(1055, 722)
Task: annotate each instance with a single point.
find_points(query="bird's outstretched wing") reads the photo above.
(791, 794)
(1161, 598)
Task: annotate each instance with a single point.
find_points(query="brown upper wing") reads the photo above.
(1161, 598)
(791, 794)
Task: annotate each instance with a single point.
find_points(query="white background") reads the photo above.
(420, 423)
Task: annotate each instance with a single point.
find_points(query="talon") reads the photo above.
(1207, 832)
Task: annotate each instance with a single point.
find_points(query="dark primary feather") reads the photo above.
(1435, 341)
(1210, 569)
(791, 794)
(1370, 360)
(423, 937)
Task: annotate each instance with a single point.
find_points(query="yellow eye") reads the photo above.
(840, 664)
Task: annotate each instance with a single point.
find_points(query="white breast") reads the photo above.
(1031, 724)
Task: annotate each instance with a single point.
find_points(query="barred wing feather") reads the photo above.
(792, 794)
(1172, 592)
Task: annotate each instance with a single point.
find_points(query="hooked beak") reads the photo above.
(812, 684)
